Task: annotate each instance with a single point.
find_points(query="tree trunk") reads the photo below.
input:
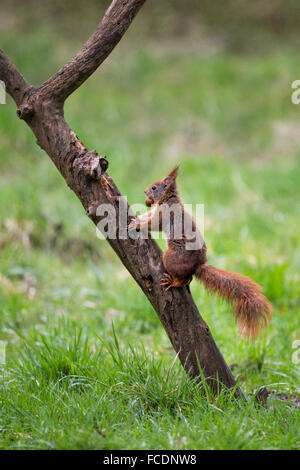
(85, 173)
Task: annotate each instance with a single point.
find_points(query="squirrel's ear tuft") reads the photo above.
(174, 172)
(172, 175)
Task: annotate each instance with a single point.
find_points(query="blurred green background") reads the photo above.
(204, 84)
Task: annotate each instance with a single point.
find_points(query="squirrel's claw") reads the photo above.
(167, 281)
(132, 225)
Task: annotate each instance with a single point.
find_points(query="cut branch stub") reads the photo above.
(91, 165)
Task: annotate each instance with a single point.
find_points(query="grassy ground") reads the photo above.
(68, 382)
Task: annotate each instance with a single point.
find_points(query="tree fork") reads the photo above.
(85, 173)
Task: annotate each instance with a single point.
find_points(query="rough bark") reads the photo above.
(85, 173)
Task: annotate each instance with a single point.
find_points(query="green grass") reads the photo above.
(68, 383)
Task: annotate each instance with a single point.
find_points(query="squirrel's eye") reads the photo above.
(154, 187)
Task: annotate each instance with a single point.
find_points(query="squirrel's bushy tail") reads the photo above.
(252, 309)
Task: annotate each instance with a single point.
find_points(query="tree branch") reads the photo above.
(85, 173)
(15, 84)
(115, 23)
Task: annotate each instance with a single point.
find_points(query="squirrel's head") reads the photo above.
(157, 190)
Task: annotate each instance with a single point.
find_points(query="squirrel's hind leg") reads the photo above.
(169, 281)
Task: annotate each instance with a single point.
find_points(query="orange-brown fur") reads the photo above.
(252, 309)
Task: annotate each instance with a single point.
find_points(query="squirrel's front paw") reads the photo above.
(134, 225)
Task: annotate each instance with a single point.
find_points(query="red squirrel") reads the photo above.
(252, 309)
